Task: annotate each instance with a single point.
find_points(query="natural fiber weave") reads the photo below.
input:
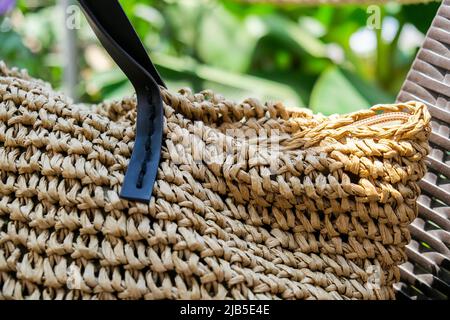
(316, 221)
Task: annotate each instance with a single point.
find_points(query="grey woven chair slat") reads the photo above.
(426, 283)
(427, 274)
(430, 261)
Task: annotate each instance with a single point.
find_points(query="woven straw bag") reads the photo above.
(250, 200)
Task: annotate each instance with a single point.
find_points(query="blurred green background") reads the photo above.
(326, 58)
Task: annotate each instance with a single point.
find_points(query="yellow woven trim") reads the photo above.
(338, 127)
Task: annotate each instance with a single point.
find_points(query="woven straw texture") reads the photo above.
(325, 216)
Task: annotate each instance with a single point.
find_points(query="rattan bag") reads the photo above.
(250, 200)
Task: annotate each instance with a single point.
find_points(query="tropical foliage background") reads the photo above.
(327, 58)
